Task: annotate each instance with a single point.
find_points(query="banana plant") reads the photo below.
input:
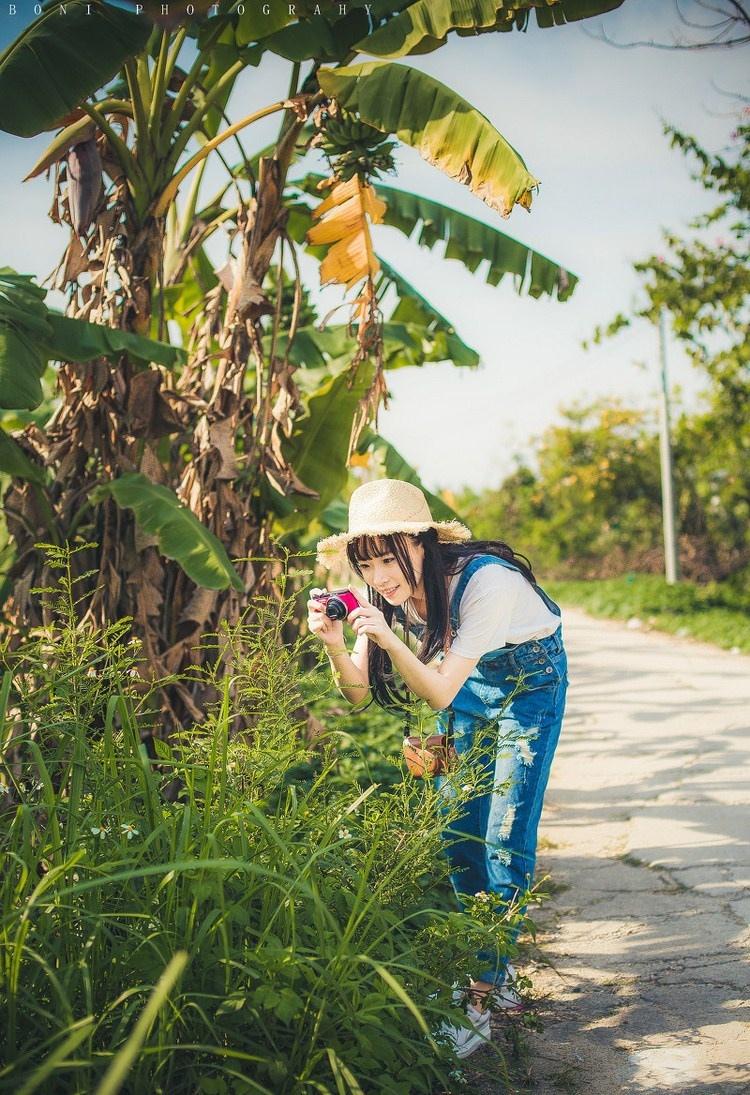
(248, 424)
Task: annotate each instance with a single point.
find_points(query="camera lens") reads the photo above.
(336, 609)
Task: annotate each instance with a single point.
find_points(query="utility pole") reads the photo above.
(671, 560)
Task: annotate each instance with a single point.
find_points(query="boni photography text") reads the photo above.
(271, 10)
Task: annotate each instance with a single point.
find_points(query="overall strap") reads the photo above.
(476, 564)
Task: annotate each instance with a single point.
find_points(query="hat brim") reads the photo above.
(333, 548)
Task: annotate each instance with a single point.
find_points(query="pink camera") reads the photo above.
(338, 603)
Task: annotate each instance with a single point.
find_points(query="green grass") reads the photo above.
(276, 927)
(716, 613)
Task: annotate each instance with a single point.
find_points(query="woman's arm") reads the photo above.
(349, 672)
(438, 685)
(350, 681)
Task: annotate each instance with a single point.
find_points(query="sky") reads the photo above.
(587, 119)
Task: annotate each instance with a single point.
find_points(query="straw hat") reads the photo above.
(385, 506)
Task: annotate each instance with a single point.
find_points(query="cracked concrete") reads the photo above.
(646, 837)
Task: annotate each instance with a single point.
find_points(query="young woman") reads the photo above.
(481, 622)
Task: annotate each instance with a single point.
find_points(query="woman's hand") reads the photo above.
(370, 621)
(330, 632)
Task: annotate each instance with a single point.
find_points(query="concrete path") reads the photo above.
(646, 837)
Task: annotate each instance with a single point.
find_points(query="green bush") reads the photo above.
(713, 613)
(263, 927)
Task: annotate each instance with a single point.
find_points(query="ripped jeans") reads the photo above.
(492, 845)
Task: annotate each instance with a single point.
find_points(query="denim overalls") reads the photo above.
(512, 738)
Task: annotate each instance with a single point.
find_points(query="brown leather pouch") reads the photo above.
(430, 756)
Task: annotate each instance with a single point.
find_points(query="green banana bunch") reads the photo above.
(354, 148)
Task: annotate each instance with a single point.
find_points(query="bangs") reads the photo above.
(362, 548)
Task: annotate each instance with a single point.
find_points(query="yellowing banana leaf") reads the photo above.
(444, 128)
(466, 239)
(180, 534)
(425, 24)
(344, 219)
(59, 60)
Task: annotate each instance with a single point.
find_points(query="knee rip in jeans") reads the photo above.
(525, 752)
(507, 823)
(502, 855)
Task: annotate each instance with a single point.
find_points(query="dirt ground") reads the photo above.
(646, 838)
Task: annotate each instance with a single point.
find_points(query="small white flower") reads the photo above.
(130, 830)
(75, 877)
(4, 789)
(99, 830)
(344, 833)
(467, 787)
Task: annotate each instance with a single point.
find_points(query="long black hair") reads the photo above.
(441, 561)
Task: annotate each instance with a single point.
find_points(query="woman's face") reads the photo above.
(384, 574)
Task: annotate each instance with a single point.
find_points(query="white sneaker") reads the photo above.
(465, 1040)
(505, 996)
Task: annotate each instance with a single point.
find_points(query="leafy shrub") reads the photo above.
(267, 930)
(707, 612)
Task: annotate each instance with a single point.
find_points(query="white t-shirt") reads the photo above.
(498, 606)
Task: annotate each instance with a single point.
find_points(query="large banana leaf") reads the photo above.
(407, 341)
(24, 328)
(319, 444)
(31, 336)
(444, 128)
(471, 241)
(76, 340)
(58, 60)
(467, 239)
(322, 38)
(396, 467)
(15, 462)
(255, 24)
(425, 24)
(555, 13)
(180, 534)
(413, 308)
